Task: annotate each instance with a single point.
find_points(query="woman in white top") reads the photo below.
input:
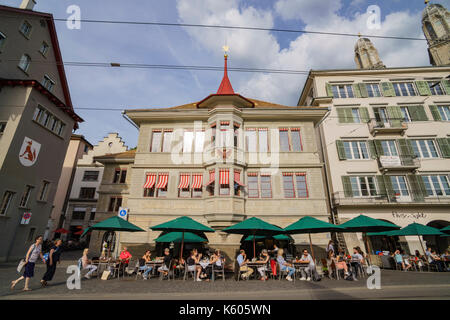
(264, 258)
(33, 253)
(87, 264)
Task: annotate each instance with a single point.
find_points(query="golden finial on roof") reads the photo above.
(426, 1)
(226, 49)
(359, 34)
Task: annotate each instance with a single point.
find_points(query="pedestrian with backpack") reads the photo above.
(33, 253)
(53, 258)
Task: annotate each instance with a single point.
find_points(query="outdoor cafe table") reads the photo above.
(255, 265)
(299, 265)
(154, 264)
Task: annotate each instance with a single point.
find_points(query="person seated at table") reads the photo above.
(338, 262)
(125, 257)
(216, 261)
(204, 264)
(263, 259)
(192, 263)
(406, 260)
(357, 260)
(146, 258)
(436, 260)
(285, 266)
(167, 258)
(242, 261)
(87, 264)
(399, 259)
(307, 272)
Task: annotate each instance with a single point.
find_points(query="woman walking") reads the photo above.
(53, 258)
(34, 252)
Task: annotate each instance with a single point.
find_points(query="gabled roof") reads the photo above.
(55, 44)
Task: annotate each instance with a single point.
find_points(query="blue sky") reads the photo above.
(149, 88)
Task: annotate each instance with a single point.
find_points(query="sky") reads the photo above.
(125, 88)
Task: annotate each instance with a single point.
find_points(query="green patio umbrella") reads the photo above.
(254, 227)
(366, 224)
(311, 225)
(114, 224)
(182, 224)
(446, 229)
(178, 237)
(276, 237)
(417, 229)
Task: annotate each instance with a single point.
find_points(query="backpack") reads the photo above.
(46, 255)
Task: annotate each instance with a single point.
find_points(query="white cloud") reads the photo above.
(308, 51)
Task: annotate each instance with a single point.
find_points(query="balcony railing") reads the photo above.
(394, 163)
(389, 127)
(340, 199)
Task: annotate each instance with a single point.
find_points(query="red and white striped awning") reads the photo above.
(263, 129)
(284, 129)
(224, 123)
(162, 181)
(288, 173)
(237, 178)
(197, 181)
(252, 174)
(300, 173)
(212, 177)
(295, 129)
(224, 176)
(150, 181)
(184, 180)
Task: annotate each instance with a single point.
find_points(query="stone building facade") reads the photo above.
(436, 28)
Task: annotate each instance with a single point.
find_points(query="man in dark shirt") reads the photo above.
(166, 265)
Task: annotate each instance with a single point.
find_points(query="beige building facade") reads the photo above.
(219, 161)
(386, 146)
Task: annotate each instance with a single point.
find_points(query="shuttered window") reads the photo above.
(373, 90)
(444, 145)
(437, 185)
(435, 88)
(404, 89)
(440, 113)
(424, 148)
(342, 91)
(360, 186)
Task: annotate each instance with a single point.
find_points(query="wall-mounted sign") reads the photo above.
(415, 215)
(390, 161)
(123, 213)
(29, 152)
(26, 217)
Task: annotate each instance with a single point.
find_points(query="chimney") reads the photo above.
(27, 4)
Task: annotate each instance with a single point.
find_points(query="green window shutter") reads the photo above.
(446, 85)
(388, 185)
(415, 186)
(376, 112)
(423, 88)
(364, 114)
(381, 186)
(356, 90)
(388, 89)
(349, 115)
(444, 145)
(341, 150)
(363, 90)
(341, 115)
(417, 113)
(329, 90)
(435, 113)
(348, 192)
(372, 149)
(378, 147)
(395, 115)
(405, 148)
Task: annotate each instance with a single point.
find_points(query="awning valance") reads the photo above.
(162, 181)
(197, 181)
(224, 176)
(150, 180)
(184, 181)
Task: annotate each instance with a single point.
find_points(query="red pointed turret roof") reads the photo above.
(225, 86)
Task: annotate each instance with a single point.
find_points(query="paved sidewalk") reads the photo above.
(394, 285)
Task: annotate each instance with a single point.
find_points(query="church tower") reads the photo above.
(435, 26)
(366, 55)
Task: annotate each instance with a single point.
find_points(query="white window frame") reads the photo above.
(435, 84)
(359, 148)
(358, 115)
(445, 116)
(44, 48)
(397, 182)
(47, 80)
(24, 63)
(3, 38)
(348, 89)
(30, 28)
(370, 193)
(26, 196)
(370, 89)
(398, 89)
(405, 114)
(5, 205)
(391, 146)
(433, 187)
(427, 146)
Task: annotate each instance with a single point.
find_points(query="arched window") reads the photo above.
(358, 57)
(430, 30)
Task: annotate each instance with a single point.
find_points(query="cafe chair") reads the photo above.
(217, 270)
(188, 273)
